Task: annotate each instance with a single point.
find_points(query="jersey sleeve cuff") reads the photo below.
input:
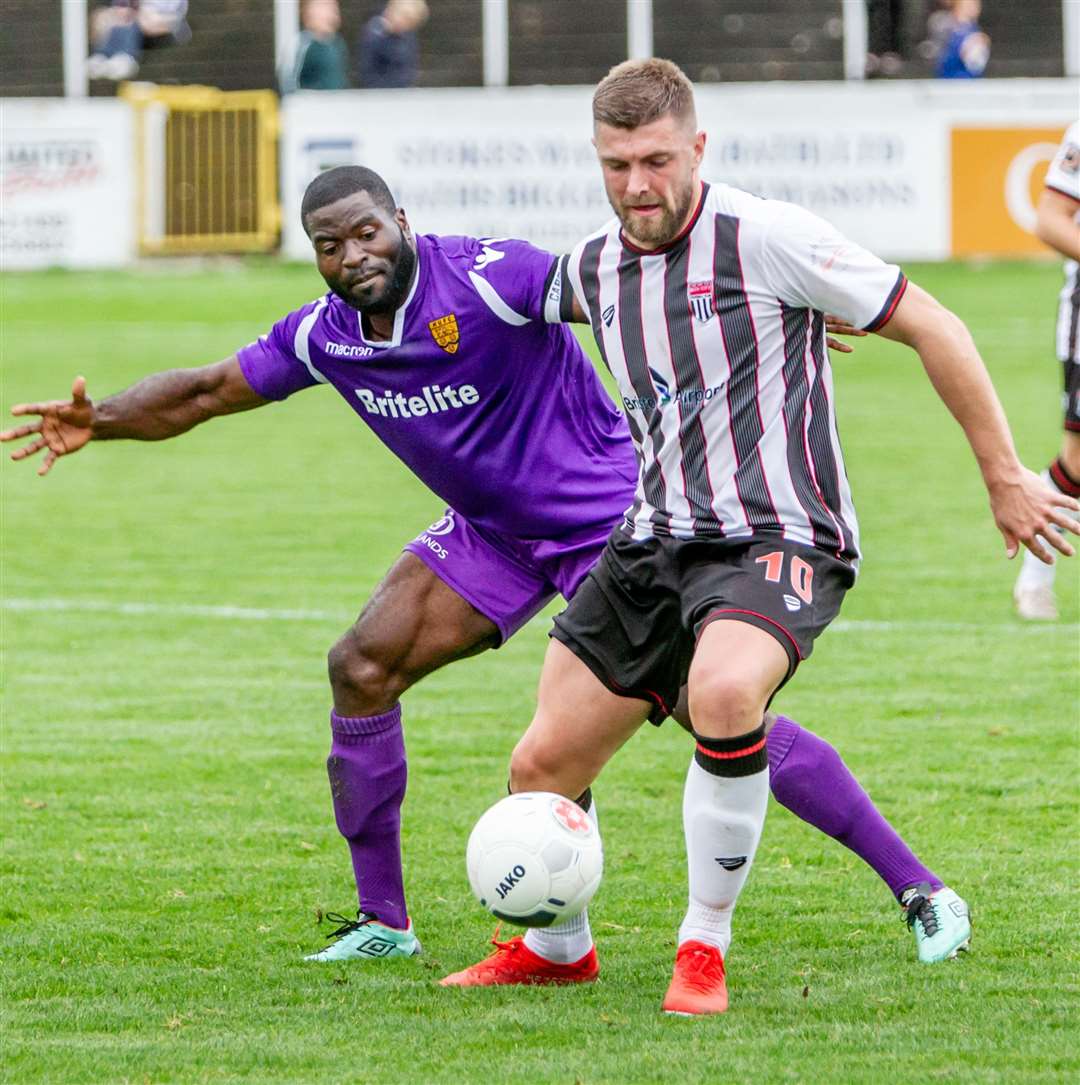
(891, 302)
(1072, 195)
(248, 358)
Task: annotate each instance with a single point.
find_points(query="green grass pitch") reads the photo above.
(167, 836)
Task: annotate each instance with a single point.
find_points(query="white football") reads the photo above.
(535, 859)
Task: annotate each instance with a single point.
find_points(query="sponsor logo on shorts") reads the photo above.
(433, 545)
(791, 602)
(444, 525)
(430, 538)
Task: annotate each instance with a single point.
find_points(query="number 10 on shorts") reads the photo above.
(801, 573)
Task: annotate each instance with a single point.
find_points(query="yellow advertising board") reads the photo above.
(997, 175)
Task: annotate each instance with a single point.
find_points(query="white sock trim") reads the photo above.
(564, 943)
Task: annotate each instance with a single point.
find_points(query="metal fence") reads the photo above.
(206, 169)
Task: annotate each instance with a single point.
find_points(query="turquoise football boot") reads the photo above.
(365, 938)
(939, 920)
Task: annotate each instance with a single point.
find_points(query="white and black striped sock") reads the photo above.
(724, 802)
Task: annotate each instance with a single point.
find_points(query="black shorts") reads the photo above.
(636, 618)
(1072, 395)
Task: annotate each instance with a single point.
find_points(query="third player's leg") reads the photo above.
(578, 726)
(413, 624)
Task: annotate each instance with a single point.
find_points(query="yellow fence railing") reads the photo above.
(206, 169)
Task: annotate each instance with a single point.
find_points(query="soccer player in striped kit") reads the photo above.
(708, 307)
(1058, 224)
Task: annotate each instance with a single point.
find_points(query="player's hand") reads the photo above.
(835, 325)
(64, 427)
(1027, 511)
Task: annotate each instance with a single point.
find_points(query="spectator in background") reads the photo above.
(965, 49)
(322, 57)
(389, 52)
(124, 29)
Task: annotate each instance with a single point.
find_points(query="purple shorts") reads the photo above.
(507, 579)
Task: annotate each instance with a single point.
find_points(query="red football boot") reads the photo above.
(698, 985)
(513, 962)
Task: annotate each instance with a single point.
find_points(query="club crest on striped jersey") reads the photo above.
(445, 332)
(700, 296)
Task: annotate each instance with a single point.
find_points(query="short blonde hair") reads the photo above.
(637, 92)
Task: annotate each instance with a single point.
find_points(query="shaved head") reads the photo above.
(342, 181)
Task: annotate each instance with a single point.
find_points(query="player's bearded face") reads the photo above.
(364, 254)
(389, 291)
(651, 176)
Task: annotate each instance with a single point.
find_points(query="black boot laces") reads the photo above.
(347, 926)
(920, 907)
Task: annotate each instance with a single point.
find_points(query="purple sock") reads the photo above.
(810, 778)
(367, 783)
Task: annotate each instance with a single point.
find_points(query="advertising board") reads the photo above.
(66, 184)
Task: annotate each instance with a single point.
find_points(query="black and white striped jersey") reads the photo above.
(1064, 176)
(717, 342)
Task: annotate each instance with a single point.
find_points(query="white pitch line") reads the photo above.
(194, 610)
(278, 614)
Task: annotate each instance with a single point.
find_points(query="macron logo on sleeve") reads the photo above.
(489, 255)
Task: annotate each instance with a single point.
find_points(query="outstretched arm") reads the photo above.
(1024, 506)
(159, 406)
(1055, 222)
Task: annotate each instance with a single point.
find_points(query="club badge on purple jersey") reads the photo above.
(445, 332)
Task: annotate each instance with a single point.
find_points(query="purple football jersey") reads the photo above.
(498, 412)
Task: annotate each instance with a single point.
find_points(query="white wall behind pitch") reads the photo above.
(872, 158)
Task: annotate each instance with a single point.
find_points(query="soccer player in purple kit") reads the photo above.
(440, 346)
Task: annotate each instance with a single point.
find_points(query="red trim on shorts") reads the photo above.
(764, 617)
(622, 691)
(635, 693)
(730, 756)
(1072, 427)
